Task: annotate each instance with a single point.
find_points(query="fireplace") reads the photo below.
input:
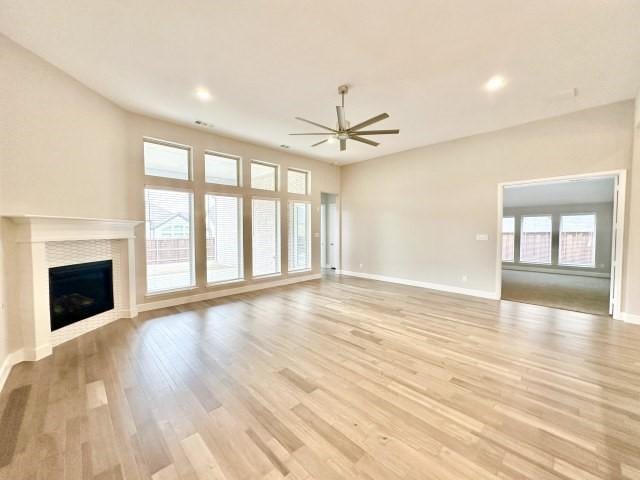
(79, 291)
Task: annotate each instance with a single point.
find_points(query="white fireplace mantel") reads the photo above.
(32, 233)
(34, 228)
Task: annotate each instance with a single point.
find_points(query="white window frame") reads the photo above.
(289, 232)
(276, 174)
(166, 143)
(241, 278)
(595, 238)
(307, 181)
(194, 279)
(522, 232)
(229, 156)
(278, 237)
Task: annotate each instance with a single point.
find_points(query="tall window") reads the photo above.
(166, 160)
(264, 176)
(535, 239)
(508, 238)
(299, 236)
(298, 181)
(266, 236)
(221, 169)
(223, 216)
(169, 234)
(577, 240)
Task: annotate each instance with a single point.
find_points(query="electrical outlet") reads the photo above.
(361, 265)
(464, 278)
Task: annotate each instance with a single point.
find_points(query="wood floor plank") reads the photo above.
(340, 378)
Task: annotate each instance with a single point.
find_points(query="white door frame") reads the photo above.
(619, 239)
(337, 233)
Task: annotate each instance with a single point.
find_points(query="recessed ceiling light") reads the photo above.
(495, 83)
(203, 94)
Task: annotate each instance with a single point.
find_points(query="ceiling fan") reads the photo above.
(344, 131)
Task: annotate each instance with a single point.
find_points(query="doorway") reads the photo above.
(561, 242)
(329, 232)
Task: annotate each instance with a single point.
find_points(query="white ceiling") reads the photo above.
(266, 61)
(571, 192)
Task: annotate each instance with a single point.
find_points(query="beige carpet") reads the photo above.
(569, 292)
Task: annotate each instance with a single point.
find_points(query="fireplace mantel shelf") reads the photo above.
(38, 228)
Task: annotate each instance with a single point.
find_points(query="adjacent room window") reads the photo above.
(508, 238)
(264, 176)
(169, 234)
(221, 169)
(535, 239)
(577, 240)
(166, 160)
(298, 181)
(223, 216)
(299, 236)
(266, 236)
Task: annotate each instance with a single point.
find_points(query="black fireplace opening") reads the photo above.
(79, 291)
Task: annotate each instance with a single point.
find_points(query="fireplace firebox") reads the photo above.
(79, 291)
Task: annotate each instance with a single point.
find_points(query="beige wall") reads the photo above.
(415, 215)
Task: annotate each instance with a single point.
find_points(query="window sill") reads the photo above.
(304, 270)
(169, 292)
(267, 275)
(227, 282)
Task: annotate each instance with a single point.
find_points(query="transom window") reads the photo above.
(264, 176)
(297, 181)
(221, 169)
(166, 160)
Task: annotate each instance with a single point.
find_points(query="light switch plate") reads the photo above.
(483, 237)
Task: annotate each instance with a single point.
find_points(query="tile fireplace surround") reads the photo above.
(44, 242)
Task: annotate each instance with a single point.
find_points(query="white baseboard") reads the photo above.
(559, 271)
(172, 302)
(629, 318)
(5, 369)
(431, 286)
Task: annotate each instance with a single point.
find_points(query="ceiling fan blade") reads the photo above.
(363, 140)
(316, 124)
(320, 142)
(343, 145)
(314, 133)
(375, 119)
(378, 132)
(342, 123)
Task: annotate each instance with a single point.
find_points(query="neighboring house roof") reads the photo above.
(160, 224)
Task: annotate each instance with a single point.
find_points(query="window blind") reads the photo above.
(508, 237)
(223, 216)
(161, 160)
(577, 240)
(169, 240)
(535, 239)
(266, 236)
(299, 236)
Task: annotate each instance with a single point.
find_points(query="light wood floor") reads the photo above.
(332, 379)
(568, 292)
